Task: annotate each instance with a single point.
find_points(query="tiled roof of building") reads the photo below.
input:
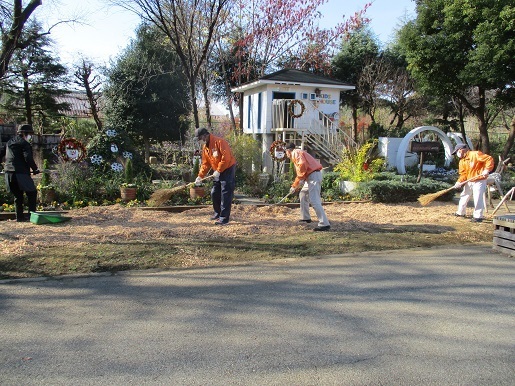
(78, 103)
(290, 76)
(298, 76)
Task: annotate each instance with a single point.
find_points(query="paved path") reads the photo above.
(443, 316)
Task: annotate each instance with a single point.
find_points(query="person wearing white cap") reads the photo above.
(309, 180)
(474, 166)
(217, 155)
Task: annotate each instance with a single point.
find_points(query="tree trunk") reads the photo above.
(26, 98)
(509, 142)
(193, 94)
(10, 38)
(205, 93)
(355, 122)
(147, 149)
(483, 126)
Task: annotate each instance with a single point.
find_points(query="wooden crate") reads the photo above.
(504, 234)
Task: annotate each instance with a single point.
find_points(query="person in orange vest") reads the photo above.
(473, 165)
(217, 155)
(309, 180)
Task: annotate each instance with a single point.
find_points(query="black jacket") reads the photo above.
(18, 157)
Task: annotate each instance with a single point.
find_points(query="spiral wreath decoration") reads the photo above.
(291, 108)
(278, 151)
(70, 149)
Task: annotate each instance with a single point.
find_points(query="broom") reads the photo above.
(428, 198)
(160, 196)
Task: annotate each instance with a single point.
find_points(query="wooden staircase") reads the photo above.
(314, 130)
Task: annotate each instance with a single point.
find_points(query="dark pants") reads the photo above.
(14, 187)
(222, 194)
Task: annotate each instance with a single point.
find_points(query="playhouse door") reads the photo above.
(284, 120)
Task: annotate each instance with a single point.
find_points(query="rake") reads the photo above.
(428, 198)
(160, 196)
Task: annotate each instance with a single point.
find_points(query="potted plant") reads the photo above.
(196, 191)
(45, 187)
(128, 188)
(357, 165)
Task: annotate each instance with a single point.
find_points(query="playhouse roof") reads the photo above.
(294, 77)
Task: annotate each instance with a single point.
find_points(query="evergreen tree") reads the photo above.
(35, 80)
(464, 50)
(146, 94)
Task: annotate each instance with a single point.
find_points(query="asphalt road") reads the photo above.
(444, 316)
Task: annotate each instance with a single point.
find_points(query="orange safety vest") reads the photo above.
(305, 164)
(473, 164)
(216, 155)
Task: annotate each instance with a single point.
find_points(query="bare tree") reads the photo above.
(189, 24)
(85, 78)
(11, 25)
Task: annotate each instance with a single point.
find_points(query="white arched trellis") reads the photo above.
(458, 138)
(403, 147)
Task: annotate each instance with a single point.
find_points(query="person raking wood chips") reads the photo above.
(217, 155)
(18, 162)
(473, 165)
(309, 181)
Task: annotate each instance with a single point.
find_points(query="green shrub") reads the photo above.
(397, 191)
(45, 177)
(277, 190)
(331, 186)
(358, 165)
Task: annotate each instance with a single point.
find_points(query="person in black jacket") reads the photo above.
(18, 162)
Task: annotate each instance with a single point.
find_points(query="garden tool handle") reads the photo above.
(203, 179)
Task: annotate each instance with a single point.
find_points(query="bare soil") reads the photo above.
(111, 238)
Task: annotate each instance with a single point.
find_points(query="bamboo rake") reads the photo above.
(428, 198)
(160, 196)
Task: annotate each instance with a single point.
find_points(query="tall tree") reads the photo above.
(36, 79)
(86, 78)
(189, 25)
(464, 50)
(361, 47)
(12, 22)
(287, 33)
(146, 93)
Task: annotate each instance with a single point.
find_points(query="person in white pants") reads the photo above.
(309, 180)
(473, 169)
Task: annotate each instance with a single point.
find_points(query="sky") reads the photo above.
(106, 31)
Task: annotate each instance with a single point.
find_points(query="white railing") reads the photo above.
(318, 129)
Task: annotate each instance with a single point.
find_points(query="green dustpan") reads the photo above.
(47, 218)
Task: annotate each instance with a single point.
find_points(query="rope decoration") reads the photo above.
(291, 108)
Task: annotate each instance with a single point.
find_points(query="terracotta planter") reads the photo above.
(46, 196)
(128, 194)
(197, 192)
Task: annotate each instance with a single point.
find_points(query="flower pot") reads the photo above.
(347, 186)
(128, 194)
(197, 192)
(47, 195)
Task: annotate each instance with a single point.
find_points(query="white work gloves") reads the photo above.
(216, 175)
(485, 173)
(292, 190)
(198, 181)
(458, 185)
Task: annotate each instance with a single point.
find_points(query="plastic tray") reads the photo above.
(47, 218)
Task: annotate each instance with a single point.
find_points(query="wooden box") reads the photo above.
(504, 234)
